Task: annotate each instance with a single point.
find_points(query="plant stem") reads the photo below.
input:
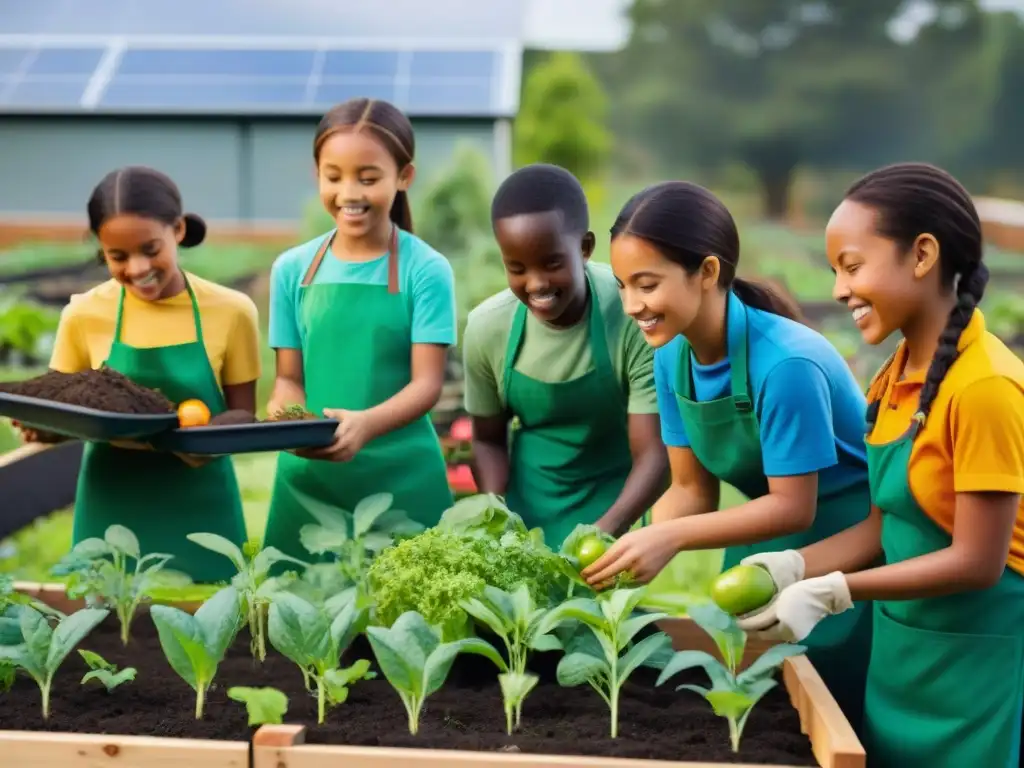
(519, 712)
(44, 689)
(320, 700)
(734, 734)
(124, 617)
(613, 702)
(412, 707)
(509, 714)
(200, 700)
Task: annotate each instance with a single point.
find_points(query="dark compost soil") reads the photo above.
(466, 713)
(104, 389)
(231, 418)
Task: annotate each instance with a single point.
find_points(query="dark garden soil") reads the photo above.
(465, 714)
(104, 389)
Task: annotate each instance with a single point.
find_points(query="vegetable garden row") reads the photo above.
(467, 644)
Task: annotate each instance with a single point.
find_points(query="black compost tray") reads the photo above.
(84, 423)
(261, 437)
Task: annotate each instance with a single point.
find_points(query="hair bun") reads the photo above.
(195, 231)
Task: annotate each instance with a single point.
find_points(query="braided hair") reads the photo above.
(916, 198)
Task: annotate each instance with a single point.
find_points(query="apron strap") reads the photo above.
(119, 322)
(392, 260)
(598, 340)
(736, 351)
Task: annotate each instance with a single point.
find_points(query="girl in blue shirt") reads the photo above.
(748, 396)
(361, 319)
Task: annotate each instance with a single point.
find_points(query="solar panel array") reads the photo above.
(193, 78)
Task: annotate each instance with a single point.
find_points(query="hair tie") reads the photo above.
(919, 417)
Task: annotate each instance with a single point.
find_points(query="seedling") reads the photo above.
(314, 639)
(99, 571)
(607, 664)
(580, 549)
(731, 695)
(354, 538)
(253, 581)
(195, 645)
(416, 662)
(10, 599)
(521, 625)
(103, 671)
(42, 649)
(265, 706)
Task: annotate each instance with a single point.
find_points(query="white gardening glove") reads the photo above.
(798, 609)
(785, 568)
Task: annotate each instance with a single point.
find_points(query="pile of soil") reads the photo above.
(233, 418)
(466, 714)
(292, 413)
(104, 389)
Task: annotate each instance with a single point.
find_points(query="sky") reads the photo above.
(599, 24)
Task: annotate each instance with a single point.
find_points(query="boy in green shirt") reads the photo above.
(556, 351)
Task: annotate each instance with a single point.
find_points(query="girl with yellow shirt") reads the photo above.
(945, 448)
(168, 330)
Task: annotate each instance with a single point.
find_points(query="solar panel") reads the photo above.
(177, 77)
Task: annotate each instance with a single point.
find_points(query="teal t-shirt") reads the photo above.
(425, 278)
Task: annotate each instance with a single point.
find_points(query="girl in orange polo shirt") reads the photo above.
(945, 450)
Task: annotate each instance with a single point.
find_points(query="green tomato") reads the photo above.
(589, 549)
(742, 589)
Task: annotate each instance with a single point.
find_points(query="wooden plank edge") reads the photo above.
(686, 635)
(834, 742)
(42, 749)
(55, 595)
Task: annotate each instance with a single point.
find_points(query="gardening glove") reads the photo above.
(785, 568)
(798, 609)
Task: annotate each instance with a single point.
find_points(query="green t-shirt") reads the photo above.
(555, 355)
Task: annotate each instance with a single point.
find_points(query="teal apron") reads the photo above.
(725, 437)
(357, 353)
(156, 495)
(569, 458)
(946, 683)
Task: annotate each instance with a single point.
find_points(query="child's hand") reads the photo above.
(354, 431)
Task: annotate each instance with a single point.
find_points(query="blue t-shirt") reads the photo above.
(424, 276)
(810, 409)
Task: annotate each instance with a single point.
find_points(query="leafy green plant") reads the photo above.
(521, 625)
(732, 695)
(314, 638)
(11, 598)
(100, 570)
(416, 662)
(353, 539)
(265, 706)
(43, 648)
(253, 580)
(195, 644)
(608, 663)
(103, 671)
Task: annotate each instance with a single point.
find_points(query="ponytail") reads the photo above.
(401, 213)
(761, 296)
(969, 292)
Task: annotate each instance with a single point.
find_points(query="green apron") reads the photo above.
(570, 456)
(159, 497)
(725, 437)
(357, 353)
(946, 683)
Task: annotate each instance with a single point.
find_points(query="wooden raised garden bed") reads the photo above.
(223, 738)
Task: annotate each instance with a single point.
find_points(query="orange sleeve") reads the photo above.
(987, 426)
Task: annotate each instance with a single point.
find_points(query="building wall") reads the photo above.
(228, 169)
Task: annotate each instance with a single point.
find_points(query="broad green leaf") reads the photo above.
(397, 654)
(630, 627)
(297, 629)
(640, 652)
(179, 634)
(577, 668)
(395, 522)
(729, 703)
(581, 609)
(755, 691)
(620, 603)
(122, 539)
(268, 556)
(439, 662)
(368, 510)
(768, 662)
(346, 626)
(695, 688)
(222, 546)
(545, 643)
(684, 660)
(108, 678)
(710, 617)
(328, 515)
(219, 620)
(484, 614)
(10, 631)
(317, 539)
(37, 635)
(95, 661)
(356, 671)
(265, 706)
(90, 549)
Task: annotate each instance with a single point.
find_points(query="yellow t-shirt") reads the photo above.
(973, 438)
(230, 321)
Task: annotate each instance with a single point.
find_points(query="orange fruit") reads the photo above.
(193, 413)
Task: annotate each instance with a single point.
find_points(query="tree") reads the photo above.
(775, 83)
(562, 119)
(455, 210)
